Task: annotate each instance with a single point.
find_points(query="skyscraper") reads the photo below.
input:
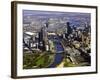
(69, 29)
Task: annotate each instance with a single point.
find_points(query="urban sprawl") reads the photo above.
(54, 42)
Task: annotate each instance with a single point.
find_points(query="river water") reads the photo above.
(58, 56)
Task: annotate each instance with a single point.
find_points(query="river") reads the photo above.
(59, 50)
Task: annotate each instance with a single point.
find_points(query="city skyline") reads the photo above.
(56, 39)
(38, 18)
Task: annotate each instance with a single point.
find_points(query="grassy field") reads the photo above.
(37, 60)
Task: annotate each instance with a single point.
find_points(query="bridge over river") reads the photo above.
(58, 55)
